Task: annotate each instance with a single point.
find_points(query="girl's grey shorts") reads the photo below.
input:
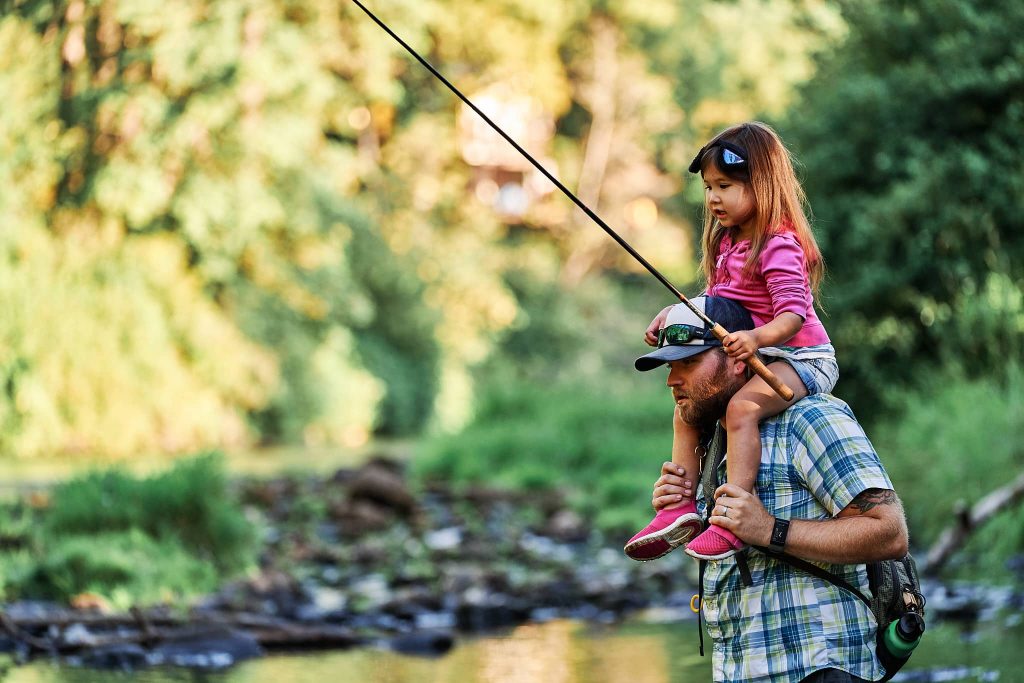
(815, 365)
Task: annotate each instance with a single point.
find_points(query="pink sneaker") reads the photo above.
(715, 543)
(667, 531)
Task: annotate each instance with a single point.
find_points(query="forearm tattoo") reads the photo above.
(873, 498)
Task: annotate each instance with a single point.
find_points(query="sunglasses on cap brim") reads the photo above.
(679, 335)
(727, 156)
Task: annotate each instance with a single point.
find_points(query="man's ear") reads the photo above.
(737, 368)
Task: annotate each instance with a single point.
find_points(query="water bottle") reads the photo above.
(903, 635)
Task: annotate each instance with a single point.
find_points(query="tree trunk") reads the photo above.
(968, 521)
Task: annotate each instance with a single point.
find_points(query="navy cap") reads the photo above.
(686, 335)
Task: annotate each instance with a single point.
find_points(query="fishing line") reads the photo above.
(716, 329)
(566, 191)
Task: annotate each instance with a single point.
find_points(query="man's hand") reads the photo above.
(742, 513)
(672, 487)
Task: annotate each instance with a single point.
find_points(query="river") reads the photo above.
(570, 652)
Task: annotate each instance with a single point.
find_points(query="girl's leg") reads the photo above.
(674, 524)
(685, 440)
(751, 404)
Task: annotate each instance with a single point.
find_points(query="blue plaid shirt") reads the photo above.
(815, 460)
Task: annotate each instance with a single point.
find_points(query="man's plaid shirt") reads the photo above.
(815, 460)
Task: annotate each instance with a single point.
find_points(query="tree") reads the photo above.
(249, 220)
(909, 134)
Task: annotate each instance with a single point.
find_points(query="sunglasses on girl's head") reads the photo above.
(678, 335)
(727, 156)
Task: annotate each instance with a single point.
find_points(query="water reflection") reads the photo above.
(569, 652)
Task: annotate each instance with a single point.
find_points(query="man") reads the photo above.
(822, 495)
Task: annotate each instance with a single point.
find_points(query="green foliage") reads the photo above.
(116, 350)
(949, 444)
(169, 536)
(248, 220)
(16, 537)
(127, 567)
(190, 502)
(397, 341)
(909, 135)
(16, 569)
(910, 138)
(601, 444)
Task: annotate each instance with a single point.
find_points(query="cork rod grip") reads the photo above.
(759, 368)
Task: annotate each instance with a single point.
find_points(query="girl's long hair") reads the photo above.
(779, 200)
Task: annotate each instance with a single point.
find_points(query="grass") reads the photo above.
(602, 446)
(133, 540)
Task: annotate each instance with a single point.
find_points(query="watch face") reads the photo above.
(779, 532)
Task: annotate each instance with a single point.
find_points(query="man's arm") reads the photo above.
(872, 527)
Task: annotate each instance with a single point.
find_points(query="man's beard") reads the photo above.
(707, 400)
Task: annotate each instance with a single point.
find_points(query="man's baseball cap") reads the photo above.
(686, 335)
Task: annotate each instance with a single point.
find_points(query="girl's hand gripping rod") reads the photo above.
(720, 332)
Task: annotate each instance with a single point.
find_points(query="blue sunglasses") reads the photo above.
(727, 156)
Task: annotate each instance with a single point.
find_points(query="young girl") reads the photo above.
(758, 249)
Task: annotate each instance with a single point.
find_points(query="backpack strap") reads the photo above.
(814, 569)
(700, 602)
(714, 454)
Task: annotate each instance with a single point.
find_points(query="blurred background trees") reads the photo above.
(260, 222)
(253, 222)
(910, 136)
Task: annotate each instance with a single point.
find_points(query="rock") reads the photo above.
(493, 612)
(13, 649)
(542, 547)
(214, 648)
(356, 518)
(567, 526)
(121, 657)
(435, 620)
(270, 592)
(423, 643)
(443, 539)
(326, 604)
(372, 591)
(381, 481)
(544, 614)
(36, 610)
(330, 575)
(78, 635)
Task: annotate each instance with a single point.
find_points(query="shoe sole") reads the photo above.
(675, 534)
(700, 556)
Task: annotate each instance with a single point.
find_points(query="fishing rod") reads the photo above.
(759, 368)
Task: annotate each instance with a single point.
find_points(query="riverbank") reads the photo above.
(358, 558)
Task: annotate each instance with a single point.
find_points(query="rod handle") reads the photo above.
(759, 368)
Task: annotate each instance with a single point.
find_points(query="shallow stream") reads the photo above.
(571, 652)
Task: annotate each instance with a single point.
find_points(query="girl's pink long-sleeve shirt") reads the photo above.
(778, 285)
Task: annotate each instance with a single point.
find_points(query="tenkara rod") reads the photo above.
(720, 332)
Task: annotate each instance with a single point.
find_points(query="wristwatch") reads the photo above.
(779, 533)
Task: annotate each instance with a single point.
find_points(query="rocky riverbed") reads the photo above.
(359, 559)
